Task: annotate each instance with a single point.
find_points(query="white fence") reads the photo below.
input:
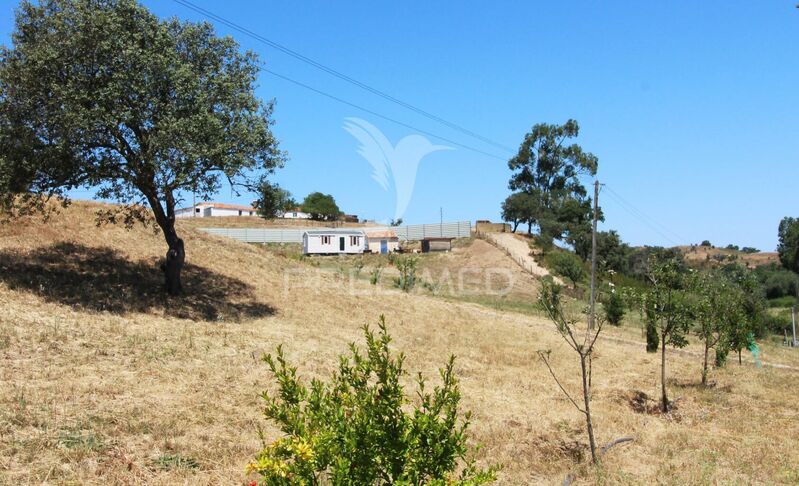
(459, 229)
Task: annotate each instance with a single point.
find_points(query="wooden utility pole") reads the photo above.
(592, 315)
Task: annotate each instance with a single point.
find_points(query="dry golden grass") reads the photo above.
(706, 255)
(130, 394)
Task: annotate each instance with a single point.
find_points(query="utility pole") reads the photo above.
(441, 221)
(592, 315)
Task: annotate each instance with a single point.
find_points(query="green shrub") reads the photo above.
(407, 269)
(706, 243)
(361, 428)
(374, 277)
(614, 308)
(567, 265)
(786, 301)
(652, 338)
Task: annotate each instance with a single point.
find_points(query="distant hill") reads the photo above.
(708, 255)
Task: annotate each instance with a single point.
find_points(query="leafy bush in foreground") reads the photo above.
(356, 430)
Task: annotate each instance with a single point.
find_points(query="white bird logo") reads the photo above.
(400, 162)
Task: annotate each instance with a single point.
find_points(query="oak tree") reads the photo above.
(103, 94)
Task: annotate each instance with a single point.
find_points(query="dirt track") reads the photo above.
(519, 250)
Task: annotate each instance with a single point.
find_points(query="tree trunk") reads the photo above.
(664, 396)
(739, 357)
(704, 366)
(176, 254)
(589, 425)
(172, 267)
(515, 225)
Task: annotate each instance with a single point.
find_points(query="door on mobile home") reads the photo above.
(383, 246)
(341, 243)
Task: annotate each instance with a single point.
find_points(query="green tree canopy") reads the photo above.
(321, 207)
(788, 247)
(273, 200)
(106, 95)
(518, 208)
(549, 170)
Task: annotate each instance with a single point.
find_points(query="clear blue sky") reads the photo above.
(691, 107)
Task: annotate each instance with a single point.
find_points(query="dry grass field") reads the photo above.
(105, 381)
(700, 255)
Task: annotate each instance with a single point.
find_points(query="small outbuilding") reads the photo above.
(333, 242)
(436, 243)
(382, 242)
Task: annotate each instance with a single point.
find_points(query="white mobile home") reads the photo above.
(333, 241)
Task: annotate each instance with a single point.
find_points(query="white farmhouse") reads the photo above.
(295, 213)
(333, 241)
(208, 209)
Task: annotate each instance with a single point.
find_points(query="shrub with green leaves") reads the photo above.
(407, 270)
(361, 428)
(567, 265)
(615, 308)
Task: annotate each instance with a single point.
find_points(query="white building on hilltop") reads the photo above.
(209, 209)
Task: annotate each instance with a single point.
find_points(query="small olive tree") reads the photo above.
(582, 342)
(717, 310)
(667, 315)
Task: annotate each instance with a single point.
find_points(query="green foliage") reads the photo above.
(361, 428)
(788, 247)
(397, 222)
(519, 208)
(407, 268)
(107, 95)
(272, 200)
(718, 309)
(615, 308)
(731, 247)
(706, 243)
(666, 311)
(321, 207)
(777, 281)
(168, 462)
(567, 265)
(548, 171)
(374, 277)
(652, 337)
(786, 301)
(749, 249)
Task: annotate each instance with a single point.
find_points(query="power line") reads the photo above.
(341, 75)
(371, 112)
(641, 216)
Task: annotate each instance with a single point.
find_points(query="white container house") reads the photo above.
(333, 242)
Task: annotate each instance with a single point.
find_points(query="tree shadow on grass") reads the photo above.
(102, 279)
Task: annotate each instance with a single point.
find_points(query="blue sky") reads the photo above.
(691, 107)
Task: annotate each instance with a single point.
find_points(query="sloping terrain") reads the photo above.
(708, 255)
(105, 381)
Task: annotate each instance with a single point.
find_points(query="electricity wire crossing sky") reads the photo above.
(691, 107)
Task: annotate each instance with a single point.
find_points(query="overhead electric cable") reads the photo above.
(371, 112)
(340, 75)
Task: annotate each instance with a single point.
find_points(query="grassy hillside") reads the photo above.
(104, 381)
(708, 255)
